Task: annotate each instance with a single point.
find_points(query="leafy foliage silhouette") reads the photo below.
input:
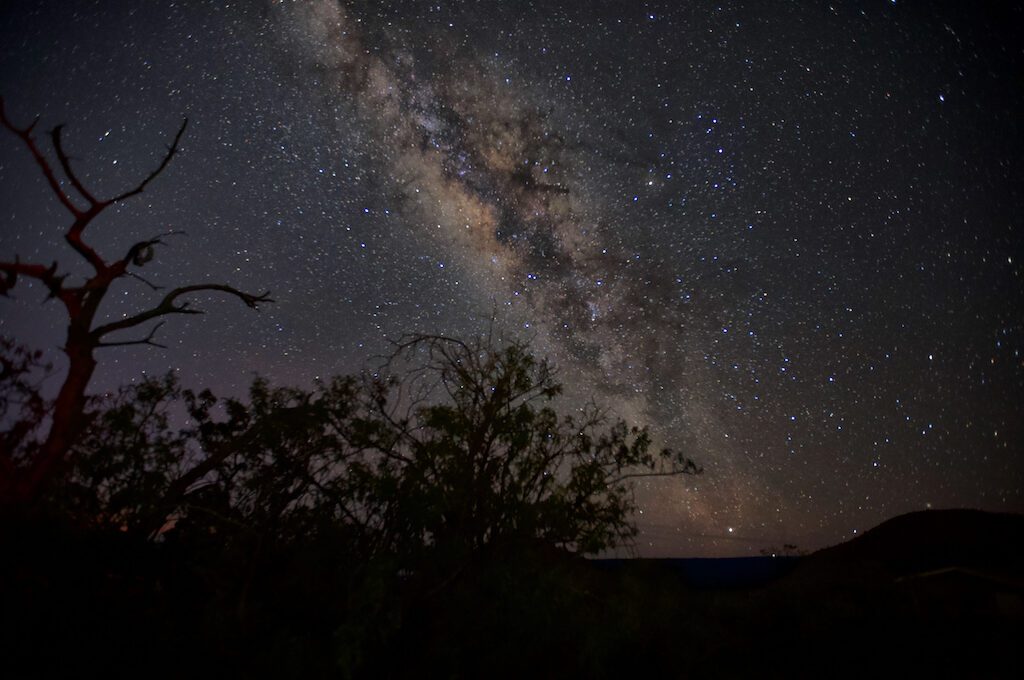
(448, 448)
(472, 444)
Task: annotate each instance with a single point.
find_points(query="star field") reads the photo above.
(786, 239)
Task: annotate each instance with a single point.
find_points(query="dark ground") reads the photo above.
(933, 594)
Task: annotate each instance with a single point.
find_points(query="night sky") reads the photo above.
(786, 236)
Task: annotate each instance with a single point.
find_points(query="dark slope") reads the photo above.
(929, 594)
(935, 539)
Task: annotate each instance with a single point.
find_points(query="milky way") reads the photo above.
(785, 240)
(483, 167)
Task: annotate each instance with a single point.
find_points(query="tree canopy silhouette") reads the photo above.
(26, 465)
(469, 438)
(449, 448)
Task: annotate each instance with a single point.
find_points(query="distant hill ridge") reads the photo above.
(936, 539)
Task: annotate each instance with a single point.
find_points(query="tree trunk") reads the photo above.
(68, 420)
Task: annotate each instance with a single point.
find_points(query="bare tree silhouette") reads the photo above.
(22, 476)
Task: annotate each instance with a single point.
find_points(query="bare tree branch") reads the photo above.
(148, 340)
(65, 163)
(48, 275)
(688, 467)
(143, 279)
(74, 239)
(141, 252)
(171, 151)
(26, 136)
(167, 306)
(137, 248)
(96, 206)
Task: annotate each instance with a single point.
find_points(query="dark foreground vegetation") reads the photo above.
(933, 595)
(428, 514)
